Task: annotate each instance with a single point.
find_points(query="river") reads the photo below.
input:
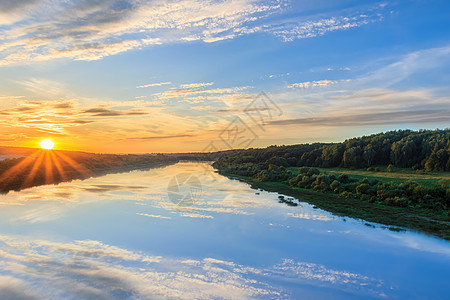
(184, 232)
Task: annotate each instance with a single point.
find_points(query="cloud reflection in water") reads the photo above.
(94, 270)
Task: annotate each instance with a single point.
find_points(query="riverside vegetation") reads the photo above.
(39, 167)
(396, 178)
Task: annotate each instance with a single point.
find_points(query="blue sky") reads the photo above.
(169, 76)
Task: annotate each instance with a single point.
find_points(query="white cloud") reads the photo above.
(153, 216)
(196, 85)
(86, 30)
(310, 29)
(42, 30)
(153, 84)
(417, 62)
(312, 84)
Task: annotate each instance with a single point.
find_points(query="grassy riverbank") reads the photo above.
(398, 178)
(423, 220)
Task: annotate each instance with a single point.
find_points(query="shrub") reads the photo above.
(335, 184)
(343, 178)
(362, 188)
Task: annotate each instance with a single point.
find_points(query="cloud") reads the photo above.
(104, 112)
(41, 30)
(153, 84)
(381, 118)
(420, 63)
(161, 137)
(90, 30)
(153, 216)
(312, 84)
(13, 288)
(310, 29)
(196, 85)
(199, 92)
(44, 87)
(48, 116)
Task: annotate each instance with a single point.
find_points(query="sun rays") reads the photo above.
(42, 167)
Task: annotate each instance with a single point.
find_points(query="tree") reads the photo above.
(353, 157)
(369, 154)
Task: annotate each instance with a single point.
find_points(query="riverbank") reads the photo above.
(404, 217)
(53, 167)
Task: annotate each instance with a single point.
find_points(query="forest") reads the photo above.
(297, 166)
(427, 150)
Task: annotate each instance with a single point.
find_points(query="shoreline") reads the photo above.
(74, 175)
(413, 219)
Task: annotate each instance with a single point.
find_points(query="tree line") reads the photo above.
(421, 150)
(427, 150)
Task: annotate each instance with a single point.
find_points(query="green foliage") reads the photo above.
(362, 188)
(424, 149)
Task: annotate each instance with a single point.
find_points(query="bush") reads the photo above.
(343, 178)
(334, 185)
(362, 188)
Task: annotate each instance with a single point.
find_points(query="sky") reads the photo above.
(136, 76)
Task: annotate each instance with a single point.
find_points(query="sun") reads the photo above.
(47, 144)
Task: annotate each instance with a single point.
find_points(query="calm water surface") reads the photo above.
(183, 231)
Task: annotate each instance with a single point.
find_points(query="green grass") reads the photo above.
(398, 176)
(413, 218)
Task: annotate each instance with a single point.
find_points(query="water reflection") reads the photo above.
(94, 270)
(121, 236)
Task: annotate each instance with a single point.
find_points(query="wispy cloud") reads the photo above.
(309, 29)
(41, 30)
(381, 118)
(199, 92)
(105, 112)
(415, 63)
(152, 84)
(312, 84)
(153, 216)
(162, 137)
(48, 116)
(85, 30)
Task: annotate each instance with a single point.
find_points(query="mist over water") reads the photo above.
(183, 231)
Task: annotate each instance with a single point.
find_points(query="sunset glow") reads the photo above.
(155, 78)
(227, 149)
(47, 144)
